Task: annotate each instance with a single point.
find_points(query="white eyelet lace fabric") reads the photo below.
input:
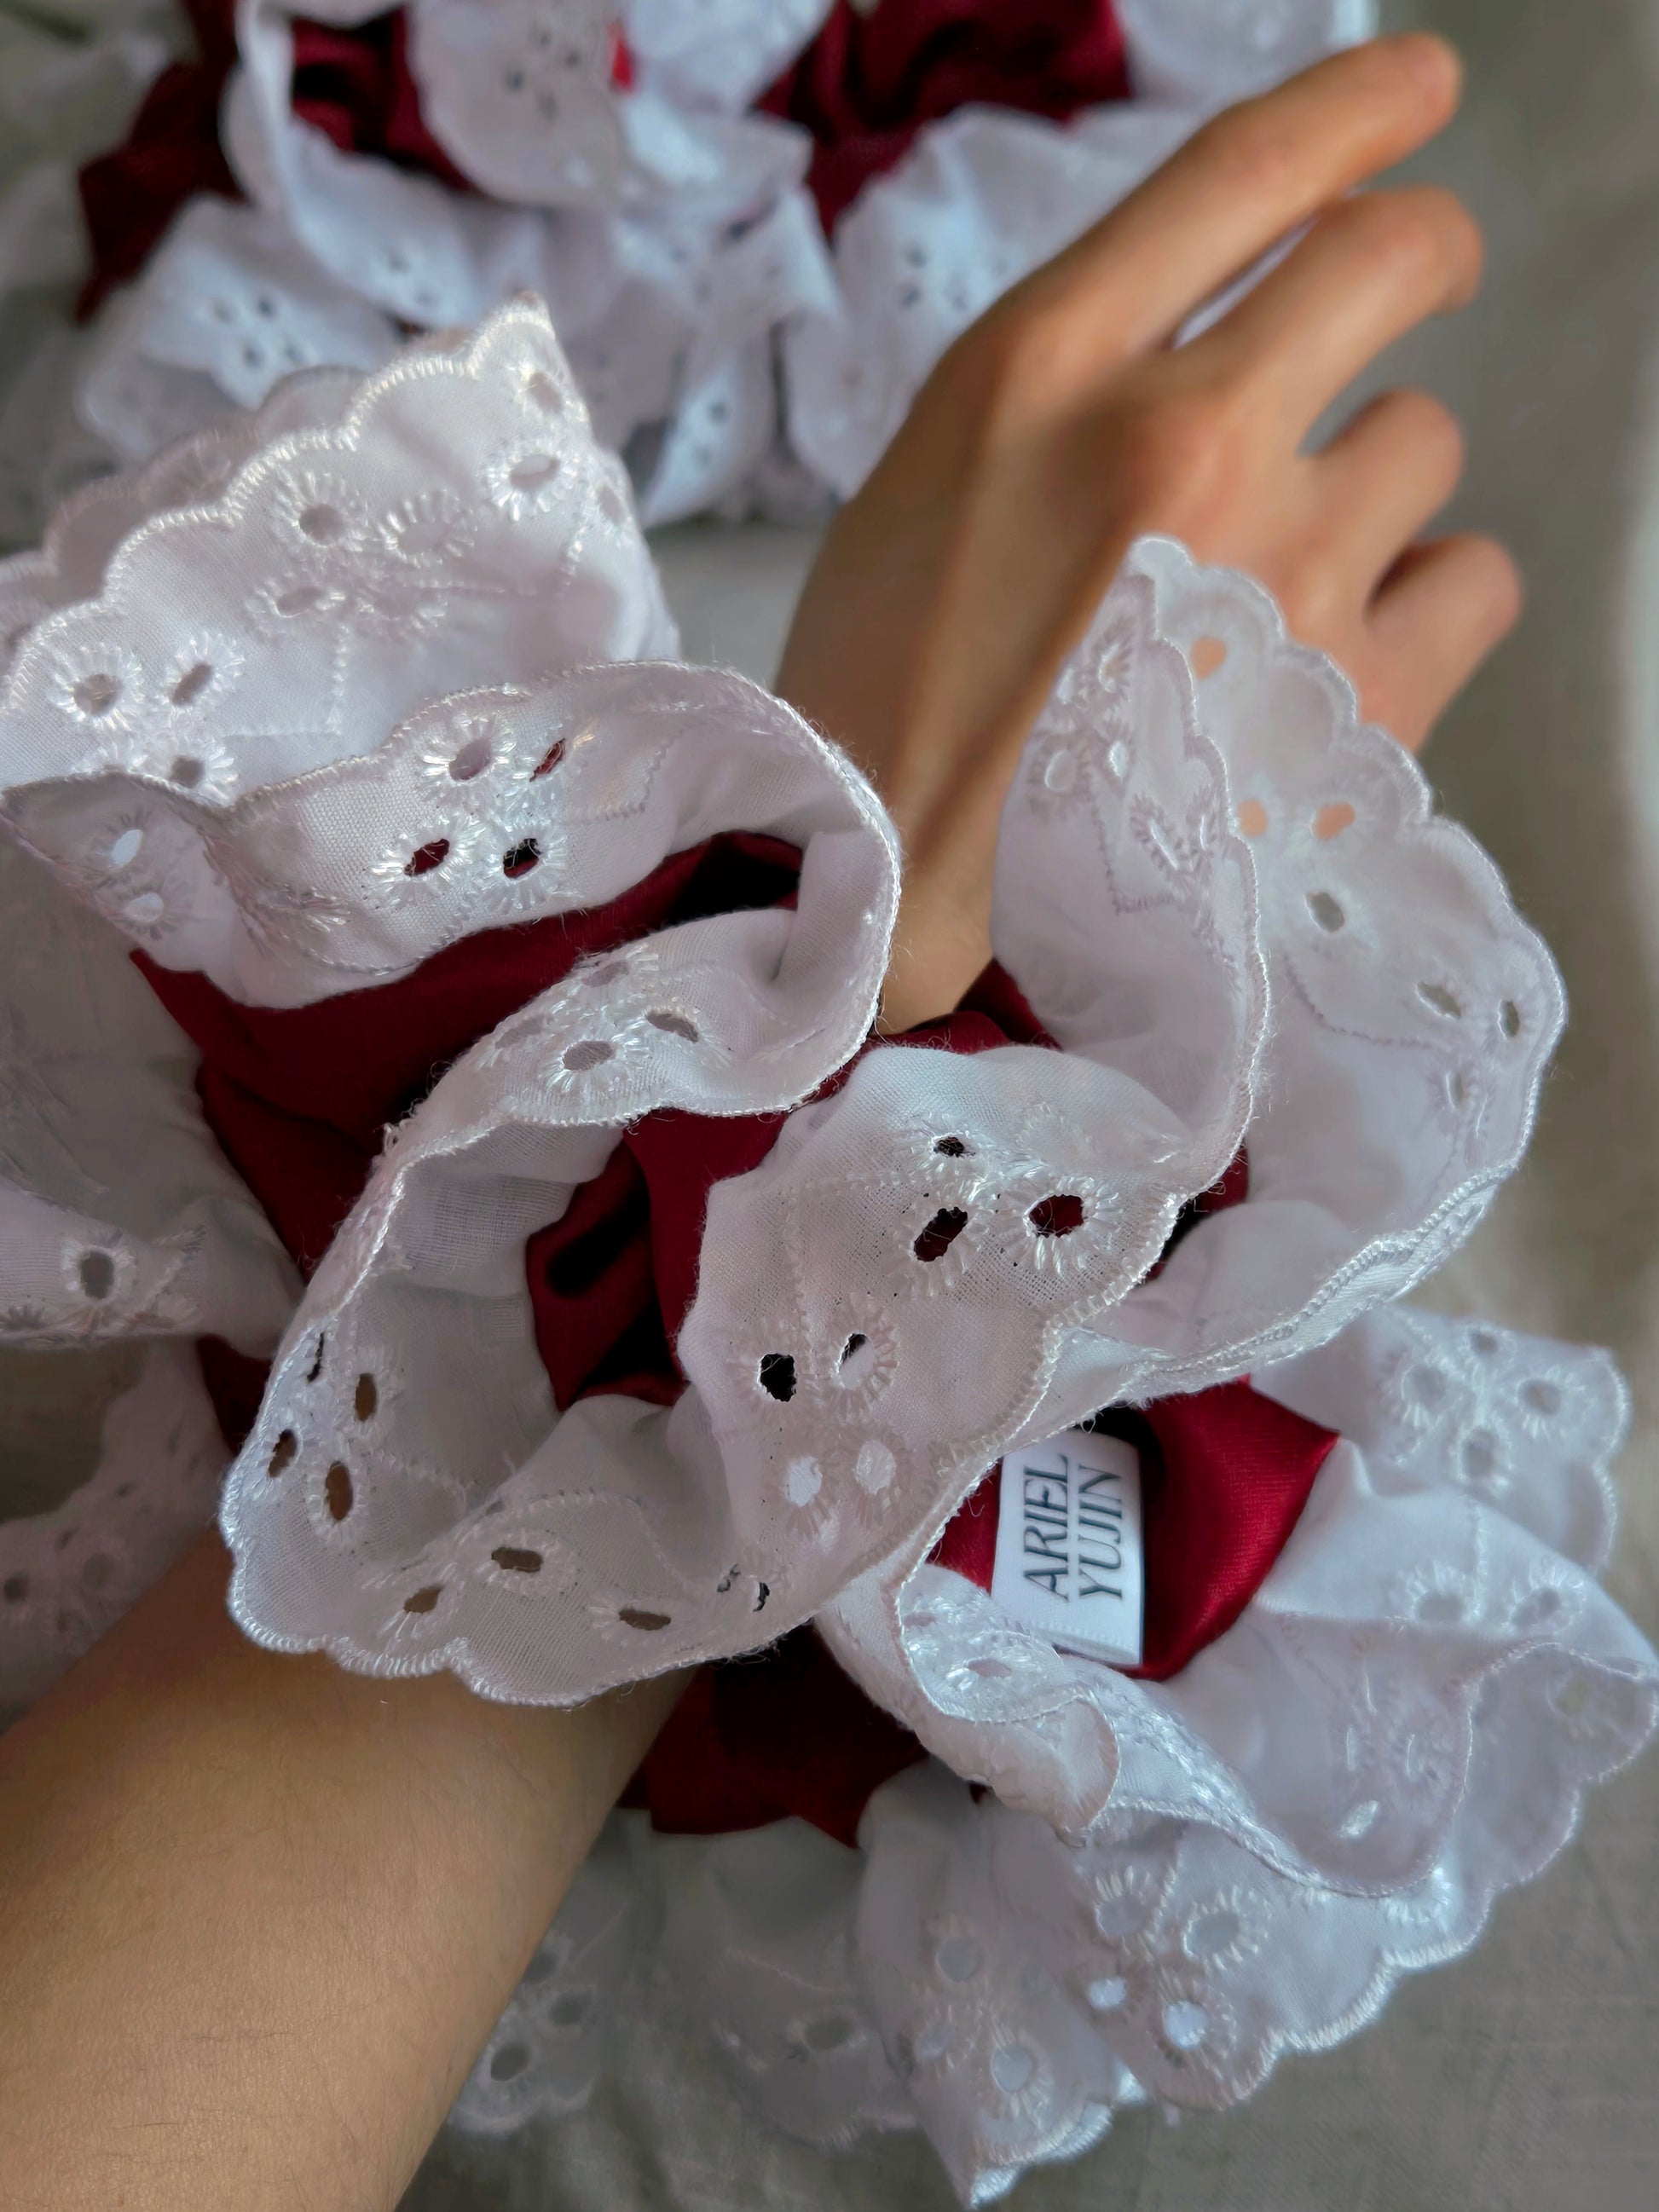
(120, 1224)
(1230, 903)
(1431, 1679)
(741, 358)
(1132, 876)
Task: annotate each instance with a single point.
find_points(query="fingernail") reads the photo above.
(1433, 64)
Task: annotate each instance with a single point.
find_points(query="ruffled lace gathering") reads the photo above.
(457, 907)
(759, 223)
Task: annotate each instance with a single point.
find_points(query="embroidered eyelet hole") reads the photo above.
(283, 1452)
(534, 471)
(512, 1559)
(1252, 817)
(97, 693)
(1483, 1343)
(365, 1398)
(97, 1272)
(1440, 1608)
(776, 1376)
(1457, 1090)
(830, 2033)
(1332, 819)
(874, 1467)
(1326, 911)
(518, 860)
(186, 772)
(550, 759)
(422, 861)
(674, 1024)
(473, 758)
(589, 1052)
(144, 910)
(1186, 2024)
(640, 1617)
(1012, 2067)
(14, 1588)
(509, 2062)
(126, 849)
(1509, 1017)
(1443, 1000)
(541, 392)
(1057, 1216)
(803, 1478)
(191, 684)
(958, 1958)
(95, 1573)
(423, 1601)
(601, 978)
(990, 1670)
(1208, 654)
(337, 1490)
(1213, 1932)
(1480, 1456)
(1107, 1993)
(303, 600)
(323, 523)
(1537, 1610)
(316, 1367)
(570, 2007)
(941, 1232)
(953, 1148)
(1541, 1395)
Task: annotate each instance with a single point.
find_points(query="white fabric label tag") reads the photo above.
(1068, 1562)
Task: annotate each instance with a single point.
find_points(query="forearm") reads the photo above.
(257, 1915)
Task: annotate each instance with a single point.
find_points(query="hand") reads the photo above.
(1065, 424)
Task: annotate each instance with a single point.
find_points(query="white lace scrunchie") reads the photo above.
(744, 353)
(310, 712)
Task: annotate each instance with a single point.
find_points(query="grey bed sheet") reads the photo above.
(1523, 2078)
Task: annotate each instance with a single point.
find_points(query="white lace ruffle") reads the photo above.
(118, 1215)
(247, 689)
(1424, 1688)
(714, 333)
(1173, 854)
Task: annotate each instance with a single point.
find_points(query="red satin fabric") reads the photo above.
(761, 1739)
(872, 78)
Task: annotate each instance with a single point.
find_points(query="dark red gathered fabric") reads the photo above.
(759, 1739)
(874, 77)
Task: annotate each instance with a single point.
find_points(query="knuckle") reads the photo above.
(1249, 151)
(1419, 232)
(1427, 424)
(1492, 582)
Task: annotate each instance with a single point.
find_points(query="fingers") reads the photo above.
(1382, 480)
(1436, 617)
(1240, 184)
(1369, 271)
